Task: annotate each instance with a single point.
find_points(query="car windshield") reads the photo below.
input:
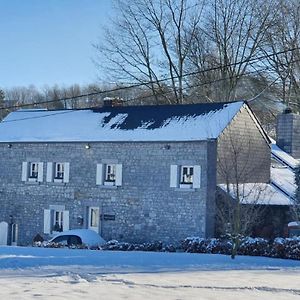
(68, 240)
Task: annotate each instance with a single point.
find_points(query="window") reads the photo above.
(32, 171)
(109, 174)
(59, 171)
(187, 175)
(56, 220)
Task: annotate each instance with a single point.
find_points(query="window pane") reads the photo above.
(110, 173)
(59, 170)
(187, 174)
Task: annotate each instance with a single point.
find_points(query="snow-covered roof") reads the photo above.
(191, 122)
(284, 157)
(280, 190)
(283, 178)
(258, 194)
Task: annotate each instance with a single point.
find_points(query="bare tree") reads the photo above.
(232, 36)
(150, 41)
(243, 169)
(285, 35)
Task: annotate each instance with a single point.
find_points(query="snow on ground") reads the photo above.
(29, 273)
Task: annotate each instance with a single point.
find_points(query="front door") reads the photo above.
(94, 219)
(3, 233)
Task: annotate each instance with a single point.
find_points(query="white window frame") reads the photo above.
(177, 179)
(59, 172)
(110, 174)
(103, 170)
(33, 167)
(32, 171)
(53, 168)
(56, 220)
(91, 216)
(186, 179)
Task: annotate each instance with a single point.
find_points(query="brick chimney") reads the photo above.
(113, 101)
(288, 132)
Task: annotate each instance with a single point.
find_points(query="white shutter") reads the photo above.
(24, 171)
(65, 220)
(49, 177)
(118, 174)
(99, 174)
(66, 172)
(40, 171)
(197, 177)
(174, 176)
(47, 221)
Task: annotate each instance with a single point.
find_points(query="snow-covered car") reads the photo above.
(78, 237)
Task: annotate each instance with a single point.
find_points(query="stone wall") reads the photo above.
(288, 133)
(145, 207)
(244, 154)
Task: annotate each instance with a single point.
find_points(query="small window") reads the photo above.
(187, 173)
(33, 170)
(58, 221)
(110, 174)
(59, 171)
(185, 177)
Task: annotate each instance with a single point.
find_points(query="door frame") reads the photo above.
(95, 228)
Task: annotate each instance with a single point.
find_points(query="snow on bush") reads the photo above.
(279, 248)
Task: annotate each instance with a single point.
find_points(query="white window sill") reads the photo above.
(185, 189)
(58, 180)
(109, 183)
(185, 186)
(32, 180)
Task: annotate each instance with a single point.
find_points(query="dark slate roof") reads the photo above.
(128, 123)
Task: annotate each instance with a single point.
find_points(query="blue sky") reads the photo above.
(49, 41)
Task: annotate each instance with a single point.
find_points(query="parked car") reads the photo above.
(77, 237)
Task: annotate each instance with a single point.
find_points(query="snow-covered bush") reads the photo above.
(280, 247)
(254, 247)
(122, 246)
(200, 245)
(286, 248)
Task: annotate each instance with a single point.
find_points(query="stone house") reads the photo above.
(134, 174)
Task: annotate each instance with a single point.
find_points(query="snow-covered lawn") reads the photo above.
(29, 273)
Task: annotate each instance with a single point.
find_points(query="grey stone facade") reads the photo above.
(244, 154)
(144, 208)
(288, 133)
(150, 199)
